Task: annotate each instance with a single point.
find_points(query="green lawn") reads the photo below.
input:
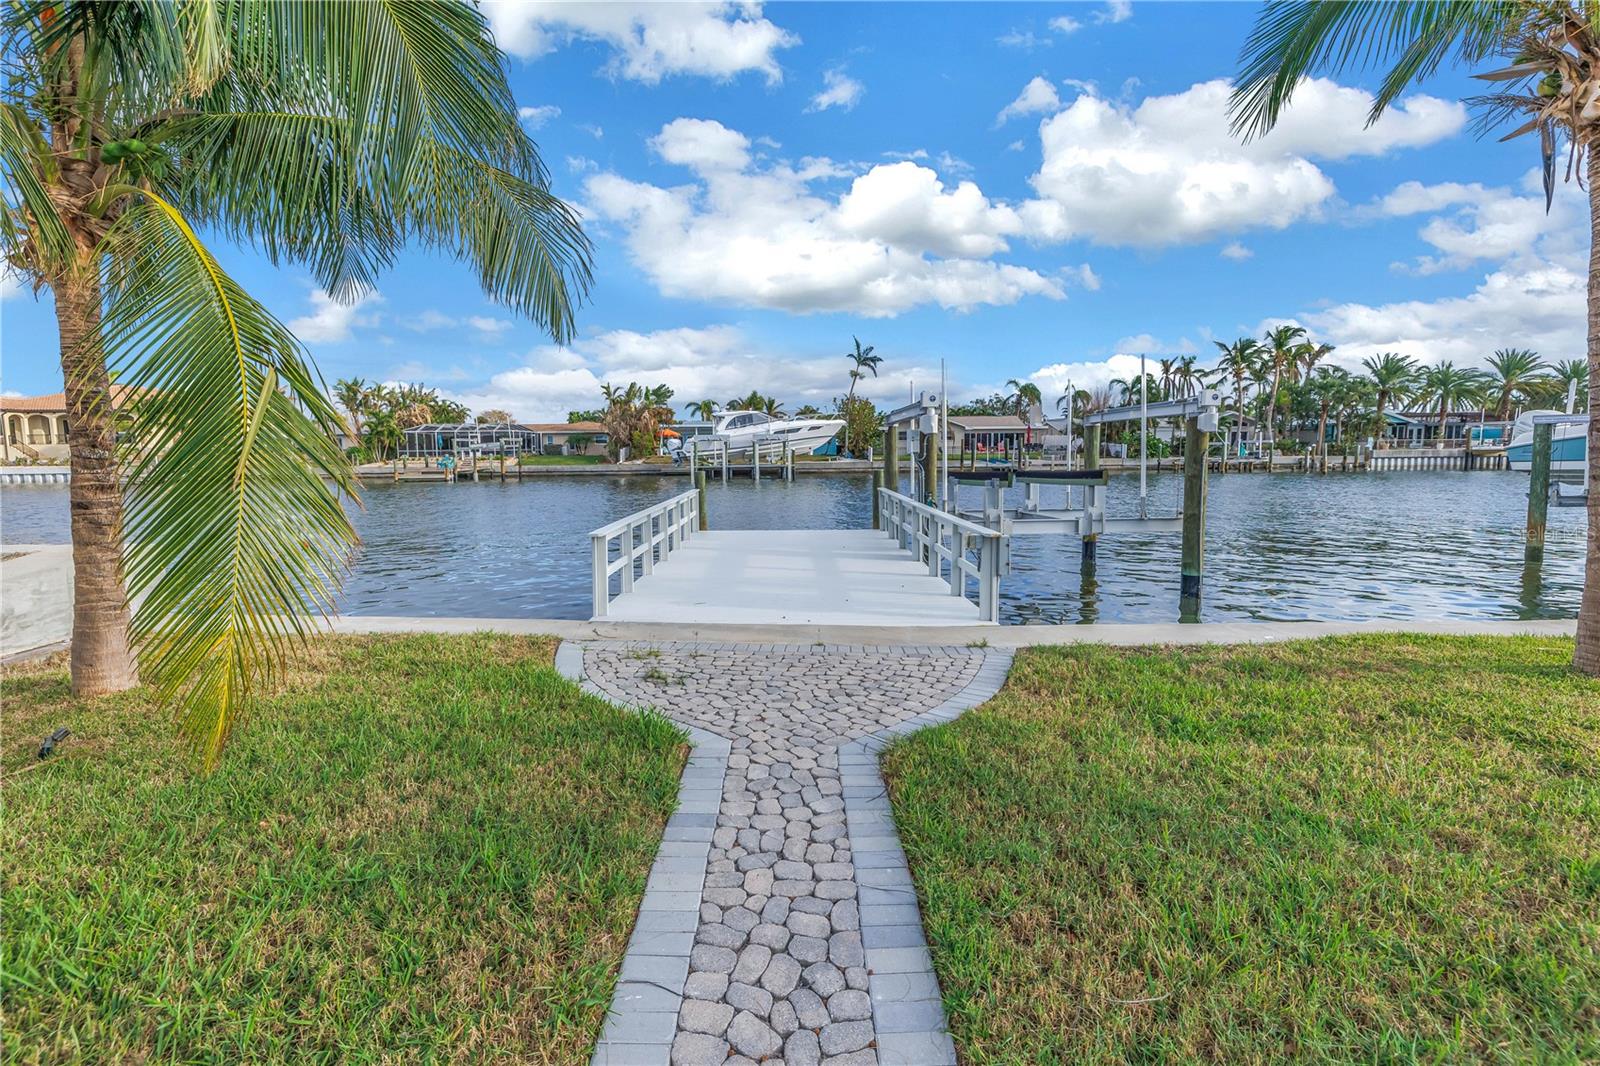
(425, 849)
(560, 460)
(1381, 849)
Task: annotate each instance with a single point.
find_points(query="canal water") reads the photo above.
(1411, 544)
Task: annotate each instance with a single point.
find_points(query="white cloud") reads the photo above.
(702, 145)
(838, 90)
(330, 321)
(716, 362)
(1170, 171)
(1476, 222)
(430, 320)
(1533, 297)
(651, 40)
(534, 117)
(1036, 96)
(1536, 305)
(10, 285)
(758, 234)
(1015, 146)
(1235, 251)
(1115, 11)
(1026, 40)
(1065, 24)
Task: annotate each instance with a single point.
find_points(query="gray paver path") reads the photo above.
(807, 946)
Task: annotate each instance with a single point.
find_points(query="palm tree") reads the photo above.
(1325, 388)
(354, 395)
(1570, 371)
(771, 407)
(325, 135)
(704, 410)
(1239, 361)
(494, 416)
(1447, 387)
(864, 363)
(1514, 369)
(1281, 357)
(1186, 378)
(1554, 78)
(1394, 375)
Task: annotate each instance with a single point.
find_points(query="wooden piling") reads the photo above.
(700, 489)
(1538, 494)
(1091, 461)
(877, 483)
(1194, 520)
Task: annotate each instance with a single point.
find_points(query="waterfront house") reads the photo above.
(557, 438)
(36, 428)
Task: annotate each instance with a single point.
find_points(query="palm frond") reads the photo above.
(407, 129)
(1295, 39)
(235, 538)
(32, 233)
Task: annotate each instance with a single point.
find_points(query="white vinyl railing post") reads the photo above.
(602, 575)
(663, 527)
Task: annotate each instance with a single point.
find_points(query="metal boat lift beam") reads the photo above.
(1204, 405)
(1556, 418)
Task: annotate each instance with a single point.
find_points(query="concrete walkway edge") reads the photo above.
(991, 636)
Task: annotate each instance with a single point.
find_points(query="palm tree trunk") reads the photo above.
(101, 658)
(1272, 423)
(1322, 437)
(1586, 655)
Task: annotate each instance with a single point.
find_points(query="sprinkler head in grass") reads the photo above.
(49, 746)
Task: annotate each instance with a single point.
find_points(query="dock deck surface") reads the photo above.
(792, 577)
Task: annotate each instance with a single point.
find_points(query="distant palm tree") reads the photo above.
(1167, 365)
(1394, 375)
(1024, 394)
(1239, 361)
(354, 395)
(864, 363)
(1186, 378)
(1567, 371)
(1325, 388)
(771, 407)
(705, 410)
(1513, 370)
(1282, 356)
(1447, 387)
(494, 416)
(809, 410)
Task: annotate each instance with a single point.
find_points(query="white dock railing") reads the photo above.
(665, 525)
(938, 537)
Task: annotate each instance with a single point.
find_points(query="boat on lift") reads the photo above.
(740, 431)
(1568, 444)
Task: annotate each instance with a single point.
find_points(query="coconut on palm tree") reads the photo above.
(1393, 375)
(1544, 58)
(324, 135)
(1513, 370)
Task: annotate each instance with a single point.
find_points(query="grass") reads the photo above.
(424, 849)
(560, 460)
(1381, 849)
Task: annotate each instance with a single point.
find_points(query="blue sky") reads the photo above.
(1036, 191)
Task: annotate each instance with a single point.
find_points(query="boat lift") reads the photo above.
(1084, 515)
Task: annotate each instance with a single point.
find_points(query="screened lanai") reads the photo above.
(452, 438)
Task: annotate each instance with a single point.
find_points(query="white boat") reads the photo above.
(740, 431)
(1568, 445)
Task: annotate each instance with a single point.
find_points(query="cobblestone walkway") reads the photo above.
(807, 945)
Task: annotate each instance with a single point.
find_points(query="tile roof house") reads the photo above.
(35, 428)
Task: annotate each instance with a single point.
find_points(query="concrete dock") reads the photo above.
(793, 577)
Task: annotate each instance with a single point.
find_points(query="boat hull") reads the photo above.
(1568, 451)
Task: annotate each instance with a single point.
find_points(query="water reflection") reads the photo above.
(1408, 544)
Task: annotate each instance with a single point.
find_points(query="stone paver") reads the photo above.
(802, 888)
